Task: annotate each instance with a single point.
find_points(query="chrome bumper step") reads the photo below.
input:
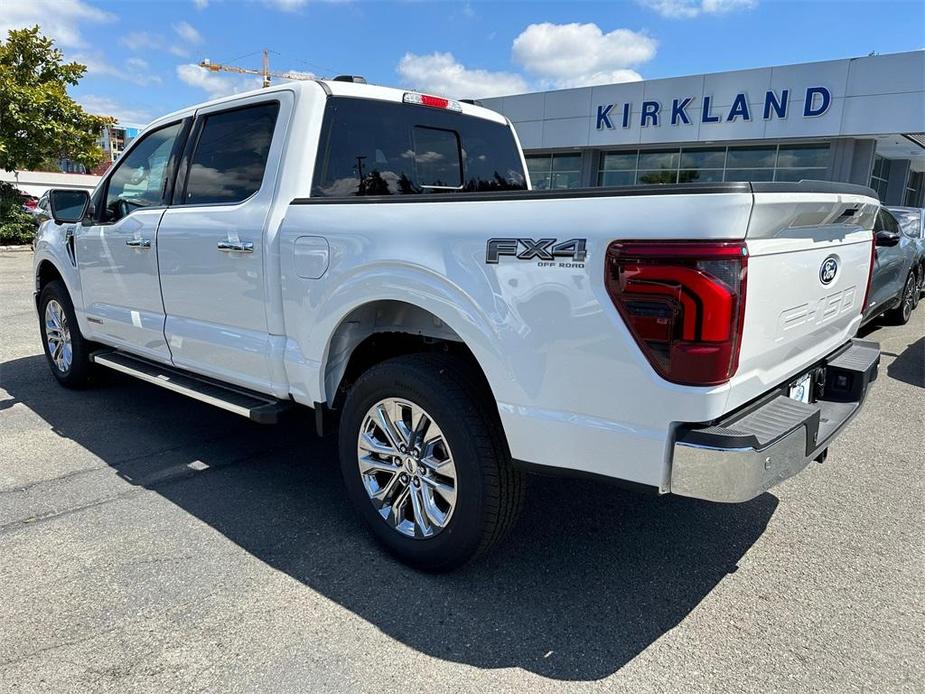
(257, 407)
(747, 452)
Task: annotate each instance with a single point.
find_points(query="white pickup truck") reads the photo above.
(378, 255)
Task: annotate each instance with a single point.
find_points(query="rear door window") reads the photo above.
(230, 156)
(371, 147)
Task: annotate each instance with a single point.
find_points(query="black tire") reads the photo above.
(78, 374)
(491, 490)
(903, 311)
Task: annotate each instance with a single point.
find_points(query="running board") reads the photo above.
(257, 407)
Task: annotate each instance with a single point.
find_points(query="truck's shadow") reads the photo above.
(909, 365)
(589, 578)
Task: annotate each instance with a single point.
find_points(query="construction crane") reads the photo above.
(265, 73)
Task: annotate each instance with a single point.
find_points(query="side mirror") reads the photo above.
(887, 238)
(68, 206)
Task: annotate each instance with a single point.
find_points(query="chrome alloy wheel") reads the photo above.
(58, 336)
(407, 468)
(908, 298)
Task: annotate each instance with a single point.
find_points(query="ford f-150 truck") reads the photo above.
(379, 256)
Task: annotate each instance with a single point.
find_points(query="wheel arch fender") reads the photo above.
(48, 268)
(456, 315)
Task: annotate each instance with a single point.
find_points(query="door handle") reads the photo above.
(236, 246)
(138, 243)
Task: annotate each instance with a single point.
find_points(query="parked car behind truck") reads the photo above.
(378, 256)
(895, 283)
(912, 222)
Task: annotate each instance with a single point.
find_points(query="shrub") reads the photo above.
(16, 226)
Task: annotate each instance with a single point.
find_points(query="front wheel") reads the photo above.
(67, 352)
(901, 314)
(425, 463)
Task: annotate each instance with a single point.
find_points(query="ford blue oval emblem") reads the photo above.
(828, 270)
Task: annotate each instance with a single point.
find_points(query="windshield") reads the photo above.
(910, 220)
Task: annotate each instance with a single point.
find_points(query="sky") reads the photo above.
(142, 56)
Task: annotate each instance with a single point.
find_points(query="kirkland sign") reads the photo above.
(685, 111)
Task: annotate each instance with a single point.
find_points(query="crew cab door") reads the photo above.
(211, 242)
(117, 247)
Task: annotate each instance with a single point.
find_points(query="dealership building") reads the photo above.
(859, 120)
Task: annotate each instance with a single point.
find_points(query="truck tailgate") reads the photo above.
(808, 267)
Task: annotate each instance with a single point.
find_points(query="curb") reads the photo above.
(15, 249)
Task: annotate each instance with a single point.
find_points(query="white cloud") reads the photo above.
(136, 64)
(686, 9)
(134, 70)
(58, 19)
(296, 75)
(201, 4)
(187, 32)
(286, 5)
(574, 55)
(215, 85)
(294, 5)
(141, 40)
(440, 73)
(104, 106)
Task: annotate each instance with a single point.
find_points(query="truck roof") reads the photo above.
(333, 88)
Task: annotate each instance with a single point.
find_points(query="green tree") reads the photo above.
(38, 119)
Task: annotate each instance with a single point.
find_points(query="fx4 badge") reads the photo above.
(546, 251)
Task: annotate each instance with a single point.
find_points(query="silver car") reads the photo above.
(912, 221)
(895, 284)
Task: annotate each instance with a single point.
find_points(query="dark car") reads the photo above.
(894, 286)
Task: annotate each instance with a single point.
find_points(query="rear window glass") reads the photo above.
(436, 158)
(384, 148)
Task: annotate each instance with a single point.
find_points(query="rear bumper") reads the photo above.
(749, 451)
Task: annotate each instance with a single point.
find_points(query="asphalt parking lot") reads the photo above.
(150, 543)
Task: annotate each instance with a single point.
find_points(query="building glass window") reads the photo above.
(913, 195)
(702, 164)
(618, 169)
(714, 164)
(880, 177)
(798, 162)
(554, 171)
(658, 166)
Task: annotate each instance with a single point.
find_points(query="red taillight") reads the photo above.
(870, 272)
(684, 303)
(432, 101)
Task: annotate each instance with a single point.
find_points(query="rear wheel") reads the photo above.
(425, 463)
(901, 314)
(67, 352)
(919, 285)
